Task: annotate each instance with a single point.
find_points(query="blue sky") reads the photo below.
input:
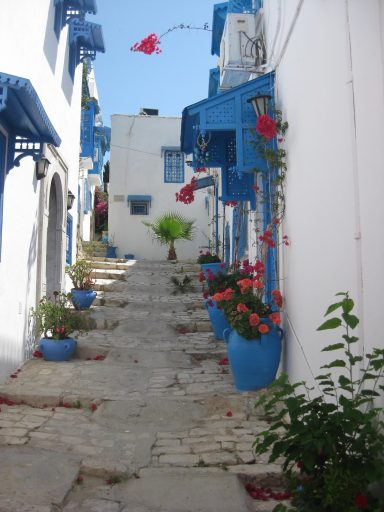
(169, 81)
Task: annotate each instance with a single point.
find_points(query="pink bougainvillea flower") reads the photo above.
(280, 139)
(205, 294)
(201, 169)
(79, 479)
(256, 188)
(186, 194)
(222, 265)
(266, 126)
(229, 414)
(223, 362)
(93, 407)
(147, 45)
(231, 203)
(361, 501)
(241, 308)
(14, 376)
(275, 318)
(263, 329)
(254, 319)
(37, 354)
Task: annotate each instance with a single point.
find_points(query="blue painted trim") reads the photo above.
(214, 82)
(217, 247)
(23, 116)
(227, 244)
(138, 197)
(69, 235)
(3, 145)
(241, 6)
(85, 39)
(218, 22)
(65, 10)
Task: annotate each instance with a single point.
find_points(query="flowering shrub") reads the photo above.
(208, 257)
(331, 442)
(55, 317)
(186, 194)
(266, 126)
(148, 45)
(231, 203)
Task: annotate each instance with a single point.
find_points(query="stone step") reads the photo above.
(107, 285)
(110, 265)
(110, 273)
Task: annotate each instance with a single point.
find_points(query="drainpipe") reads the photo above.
(355, 177)
(217, 217)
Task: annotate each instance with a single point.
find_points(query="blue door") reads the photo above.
(3, 142)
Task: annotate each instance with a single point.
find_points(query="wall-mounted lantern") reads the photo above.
(41, 167)
(70, 200)
(260, 103)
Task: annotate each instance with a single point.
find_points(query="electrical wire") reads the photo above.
(134, 149)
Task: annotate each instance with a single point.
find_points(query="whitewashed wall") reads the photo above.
(137, 167)
(330, 85)
(31, 50)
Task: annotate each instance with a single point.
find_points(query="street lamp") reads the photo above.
(260, 103)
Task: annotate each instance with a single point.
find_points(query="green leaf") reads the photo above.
(350, 320)
(344, 381)
(332, 323)
(335, 346)
(347, 305)
(333, 307)
(344, 294)
(337, 363)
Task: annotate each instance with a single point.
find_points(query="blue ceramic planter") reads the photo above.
(217, 318)
(254, 363)
(111, 252)
(215, 268)
(57, 350)
(82, 299)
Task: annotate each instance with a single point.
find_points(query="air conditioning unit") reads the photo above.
(242, 49)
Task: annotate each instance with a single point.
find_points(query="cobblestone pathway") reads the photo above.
(144, 419)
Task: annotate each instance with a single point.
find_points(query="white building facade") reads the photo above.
(324, 62)
(40, 97)
(147, 170)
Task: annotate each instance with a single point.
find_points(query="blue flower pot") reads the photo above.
(129, 256)
(82, 299)
(57, 350)
(111, 252)
(217, 318)
(254, 363)
(215, 268)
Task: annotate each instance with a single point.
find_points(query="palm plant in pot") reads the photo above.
(80, 273)
(170, 227)
(56, 320)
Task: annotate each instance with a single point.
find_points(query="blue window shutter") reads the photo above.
(243, 232)
(2, 178)
(227, 244)
(173, 166)
(68, 249)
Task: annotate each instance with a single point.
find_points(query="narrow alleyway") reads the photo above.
(157, 415)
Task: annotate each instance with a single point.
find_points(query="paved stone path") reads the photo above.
(143, 419)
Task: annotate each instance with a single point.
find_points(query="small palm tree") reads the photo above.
(168, 228)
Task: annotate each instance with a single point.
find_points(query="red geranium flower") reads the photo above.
(361, 501)
(254, 319)
(263, 328)
(266, 127)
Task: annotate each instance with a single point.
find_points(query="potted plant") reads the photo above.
(330, 437)
(209, 261)
(55, 321)
(219, 282)
(170, 227)
(80, 274)
(254, 343)
(111, 248)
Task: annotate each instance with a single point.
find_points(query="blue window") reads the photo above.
(68, 248)
(139, 204)
(2, 178)
(173, 166)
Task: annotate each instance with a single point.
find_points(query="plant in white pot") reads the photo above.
(56, 320)
(82, 292)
